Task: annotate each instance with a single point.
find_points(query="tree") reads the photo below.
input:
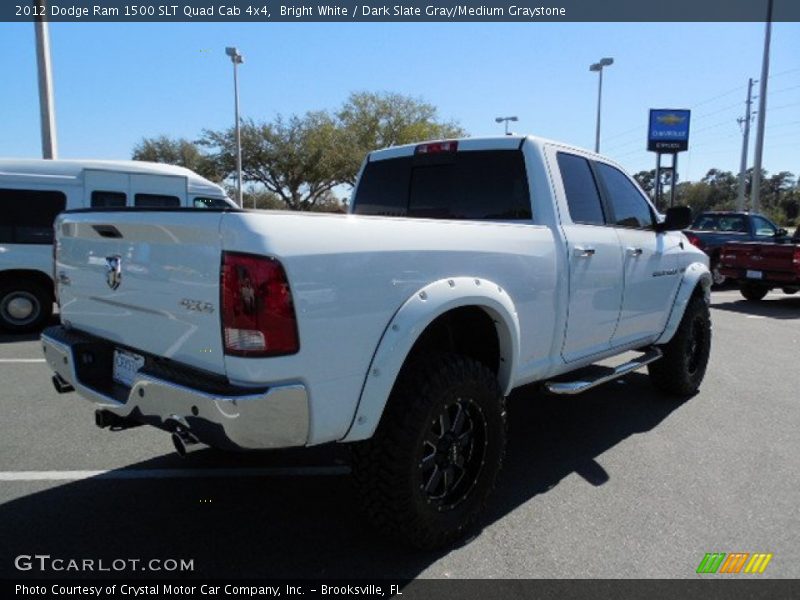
(298, 158)
(647, 180)
(779, 183)
(179, 151)
(378, 120)
(303, 159)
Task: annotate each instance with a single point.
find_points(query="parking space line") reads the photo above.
(26, 476)
(21, 360)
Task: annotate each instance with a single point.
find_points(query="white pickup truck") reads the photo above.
(466, 268)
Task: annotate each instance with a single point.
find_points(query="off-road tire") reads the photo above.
(682, 368)
(753, 292)
(30, 295)
(393, 468)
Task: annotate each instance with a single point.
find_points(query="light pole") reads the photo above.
(506, 119)
(598, 66)
(46, 103)
(237, 59)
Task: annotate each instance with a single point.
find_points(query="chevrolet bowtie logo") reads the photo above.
(670, 119)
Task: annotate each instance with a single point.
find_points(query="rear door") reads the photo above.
(149, 280)
(595, 262)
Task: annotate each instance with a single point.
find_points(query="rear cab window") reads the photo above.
(727, 223)
(466, 184)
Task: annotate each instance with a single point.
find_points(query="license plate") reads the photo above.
(126, 365)
(754, 274)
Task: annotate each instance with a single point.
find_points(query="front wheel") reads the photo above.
(426, 474)
(682, 368)
(753, 292)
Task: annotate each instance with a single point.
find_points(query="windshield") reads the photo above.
(204, 202)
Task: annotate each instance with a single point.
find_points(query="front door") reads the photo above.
(650, 273)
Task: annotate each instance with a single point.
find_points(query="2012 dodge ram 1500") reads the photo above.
(465, 269)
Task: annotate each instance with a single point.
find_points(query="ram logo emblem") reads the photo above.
(114, 271)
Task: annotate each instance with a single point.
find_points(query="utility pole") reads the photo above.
(46, 104)
(746, 139)
(762, 113)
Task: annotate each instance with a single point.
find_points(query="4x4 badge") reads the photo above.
(113, 271)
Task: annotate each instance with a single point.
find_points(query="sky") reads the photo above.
(116, 83)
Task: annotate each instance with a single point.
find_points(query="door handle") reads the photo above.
(583, 252)
(634, 251)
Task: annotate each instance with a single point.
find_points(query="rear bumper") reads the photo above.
(768, 278)
(176, 398)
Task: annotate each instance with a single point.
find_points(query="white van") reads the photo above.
(33, 192)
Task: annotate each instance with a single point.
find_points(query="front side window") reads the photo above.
(28, 215)
(583, 199)
(763, 228)
(627, 202)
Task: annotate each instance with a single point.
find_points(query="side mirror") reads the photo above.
(676, 218)
(781, 233)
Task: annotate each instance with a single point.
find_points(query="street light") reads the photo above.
(237, 59)
(506, 119)
(598, 66)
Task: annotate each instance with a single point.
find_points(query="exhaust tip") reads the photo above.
(185, 443)
(61, 385)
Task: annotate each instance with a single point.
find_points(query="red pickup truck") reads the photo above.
(759, 267)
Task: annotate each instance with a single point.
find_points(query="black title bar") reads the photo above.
(519, 11)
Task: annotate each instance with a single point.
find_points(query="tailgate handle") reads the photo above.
(107, 231)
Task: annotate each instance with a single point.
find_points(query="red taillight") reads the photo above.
(694, 240)
(258, 317)
(796, 258)
(437, 147)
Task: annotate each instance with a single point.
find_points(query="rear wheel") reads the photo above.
(683, 366)
(426, 474)
(753, 292)
(25, 305)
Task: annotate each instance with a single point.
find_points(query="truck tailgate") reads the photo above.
(762, 257)
(147, 279)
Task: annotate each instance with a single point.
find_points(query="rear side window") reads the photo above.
(156, 201)
(28, 215)
(580, 187)
(480, 185)
(629, 206)
(101, 199)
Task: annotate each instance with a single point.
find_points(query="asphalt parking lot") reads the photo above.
(619, 482)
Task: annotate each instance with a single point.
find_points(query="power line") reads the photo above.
(784, 72)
